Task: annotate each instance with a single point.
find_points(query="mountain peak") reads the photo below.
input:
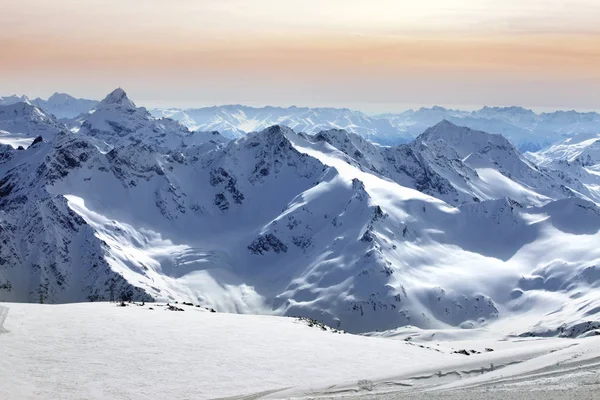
(509, 109)
(59, 97)
(276, 132)
(446, 130)
(445, 123)
(118, 96)
(14, 99)
(22, 110)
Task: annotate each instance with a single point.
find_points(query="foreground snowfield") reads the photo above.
(100, 351)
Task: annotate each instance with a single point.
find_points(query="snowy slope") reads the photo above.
(328, 226)
(99, 351)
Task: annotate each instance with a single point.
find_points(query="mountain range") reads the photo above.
(454, 228)
(527, 130)
(61, 105)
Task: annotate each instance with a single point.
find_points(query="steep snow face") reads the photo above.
(235, 121)
(21, 123)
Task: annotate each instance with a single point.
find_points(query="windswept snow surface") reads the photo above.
(99, 351)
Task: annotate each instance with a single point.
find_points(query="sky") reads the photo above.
(374, 55)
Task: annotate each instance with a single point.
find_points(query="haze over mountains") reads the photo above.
(301, 212)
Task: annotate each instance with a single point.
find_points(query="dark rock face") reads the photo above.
(266, 243)
(220, 177)
(37, 140)
(221, 202)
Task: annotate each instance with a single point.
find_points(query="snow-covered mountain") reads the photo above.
(458, 165)
(454, 229)
(582, 149)
(524, 128)
(117, 122)
(61, 105)
(235, 121)
(527, 130)
(577, 157)
(22, 122)
(8, 100)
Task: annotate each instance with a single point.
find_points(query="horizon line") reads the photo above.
(391, 107)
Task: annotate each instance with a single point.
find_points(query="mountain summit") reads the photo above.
(118, 96)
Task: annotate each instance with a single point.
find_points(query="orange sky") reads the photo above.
(337, 52)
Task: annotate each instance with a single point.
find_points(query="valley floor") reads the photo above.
(101, 351)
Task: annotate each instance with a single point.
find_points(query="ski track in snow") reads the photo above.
(3, 315)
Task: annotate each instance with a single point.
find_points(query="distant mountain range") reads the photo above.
(527, 130)
(524, 128)
(453, 229)
(61, 105)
